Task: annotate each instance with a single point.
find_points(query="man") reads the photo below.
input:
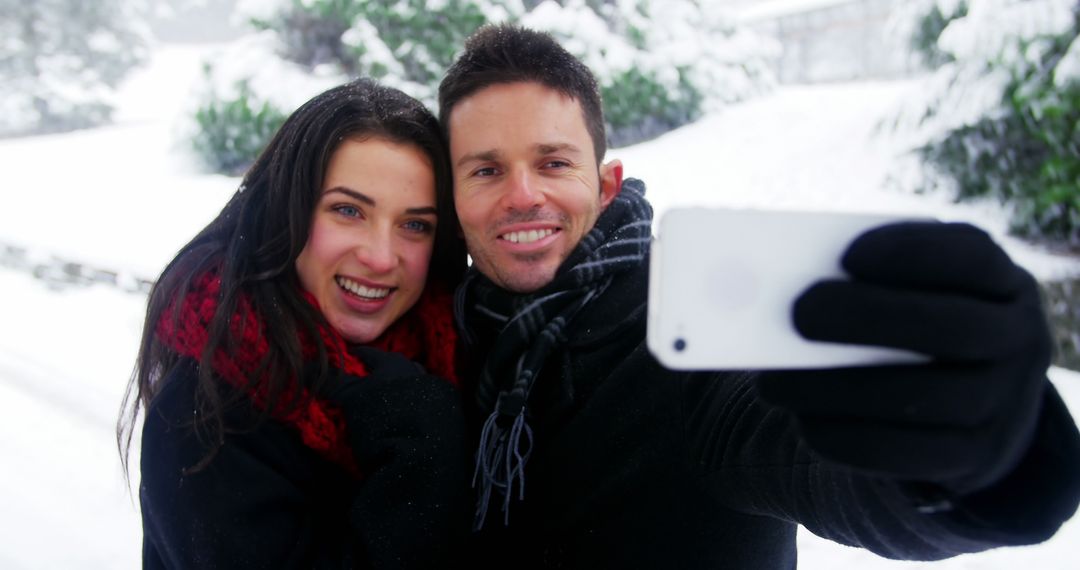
(591, 454)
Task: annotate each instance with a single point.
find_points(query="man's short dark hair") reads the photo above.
(503, 53)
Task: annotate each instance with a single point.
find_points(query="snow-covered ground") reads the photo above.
(124, 198)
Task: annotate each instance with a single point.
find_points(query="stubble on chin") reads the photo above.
(520, 272)
(527, 275)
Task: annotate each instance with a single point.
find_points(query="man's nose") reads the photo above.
(524, 191)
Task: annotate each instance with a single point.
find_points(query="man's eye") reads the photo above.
(556, 164)
(347, 210)
(485, 172)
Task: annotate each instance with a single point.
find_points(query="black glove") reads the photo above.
(389, 399)
(407, 431)
(965, 419)
(387, 364)
(352, 393)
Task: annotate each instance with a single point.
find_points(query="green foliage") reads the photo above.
(420, 42)
(423, 39)
(409, 44)
(659, 65)
(638, 107)
(1028, 155)
(233, 131)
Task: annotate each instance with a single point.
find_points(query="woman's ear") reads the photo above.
(610, 181)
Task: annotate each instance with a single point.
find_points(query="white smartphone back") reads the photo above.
(722, 283)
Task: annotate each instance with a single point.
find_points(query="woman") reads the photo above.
(287, 425)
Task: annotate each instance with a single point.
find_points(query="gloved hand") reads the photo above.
(388, 364)
(388, 399)
(407, 431)
(350, 393)
(961, 421)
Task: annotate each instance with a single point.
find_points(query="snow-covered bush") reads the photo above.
(246, 93)
(657, 71)
(233, 130)
(423, 36)
(417, 38)
(404, 43)
(1003, 115)
(302, 47)
(309, 30)
(931, 20)
(60, 61)
(1062, 299)
(660, 64)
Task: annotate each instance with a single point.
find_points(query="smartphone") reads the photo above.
(722, 283)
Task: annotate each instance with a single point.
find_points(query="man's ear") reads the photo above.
(610, 181)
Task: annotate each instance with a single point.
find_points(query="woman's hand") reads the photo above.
(407, 431)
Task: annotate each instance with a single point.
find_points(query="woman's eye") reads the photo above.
(347, 210)
(419, 226)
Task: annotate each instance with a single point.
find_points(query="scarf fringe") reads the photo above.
(499, 462)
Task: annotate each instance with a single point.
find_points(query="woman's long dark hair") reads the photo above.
(255, 240)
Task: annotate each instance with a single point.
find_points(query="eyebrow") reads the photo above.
(482, 156)
(352, 194)
(541, 148)
(548, 148)
(360, 197)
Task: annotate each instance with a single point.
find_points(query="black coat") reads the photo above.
(266, 500)
(637, 466)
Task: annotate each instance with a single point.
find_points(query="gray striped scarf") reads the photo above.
(531, 327)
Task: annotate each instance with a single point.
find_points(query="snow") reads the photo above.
(769, 9)
(1068, 68)
(996, 46)
(126, 197)
(725, 63)
(253, 60)
(63, 360)
(258, 10)
(364, 34)
(584, 33)
(823, 147)
(122, 196)
(992, 27)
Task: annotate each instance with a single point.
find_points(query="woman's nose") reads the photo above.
(377, 252)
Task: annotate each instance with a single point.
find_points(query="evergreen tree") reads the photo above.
(60, 60)
(1003, 112)
(660, 64)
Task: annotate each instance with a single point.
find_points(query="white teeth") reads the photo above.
(527, 236)
(360, 290)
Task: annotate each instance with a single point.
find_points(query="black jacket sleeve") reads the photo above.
(265, 500)
(753, 460)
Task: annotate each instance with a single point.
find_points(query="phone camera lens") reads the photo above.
(680, 345)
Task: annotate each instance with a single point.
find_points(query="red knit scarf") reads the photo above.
(426, 334)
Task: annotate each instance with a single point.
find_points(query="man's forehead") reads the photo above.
(512, 91)
(501, 109)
